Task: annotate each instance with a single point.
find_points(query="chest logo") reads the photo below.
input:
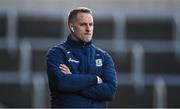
(99, 62)
(72, 60)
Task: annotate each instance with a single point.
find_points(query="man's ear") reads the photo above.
(71, 27)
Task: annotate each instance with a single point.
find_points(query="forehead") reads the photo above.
(84, 17)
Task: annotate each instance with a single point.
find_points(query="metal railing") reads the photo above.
(160, 93)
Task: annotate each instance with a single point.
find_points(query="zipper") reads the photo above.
(85, 61)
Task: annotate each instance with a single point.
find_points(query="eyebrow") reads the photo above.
(86, 23)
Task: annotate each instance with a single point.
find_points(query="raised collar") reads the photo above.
(77, 44)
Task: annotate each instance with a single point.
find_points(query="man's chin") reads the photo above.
(87, 40)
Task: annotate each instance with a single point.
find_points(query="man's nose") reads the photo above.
(88, 28)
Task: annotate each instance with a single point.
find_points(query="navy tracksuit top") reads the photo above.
(80, 89)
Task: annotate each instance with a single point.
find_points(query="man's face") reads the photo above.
(83, 27)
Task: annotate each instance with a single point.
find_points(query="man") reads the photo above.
(79, 73)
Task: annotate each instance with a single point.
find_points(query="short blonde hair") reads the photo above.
(73, 13)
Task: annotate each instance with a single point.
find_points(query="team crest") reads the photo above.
(99, 62)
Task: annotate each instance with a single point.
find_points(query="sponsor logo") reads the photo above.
(99, 62)
(72, 60)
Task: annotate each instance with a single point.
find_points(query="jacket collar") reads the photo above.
(77, 44)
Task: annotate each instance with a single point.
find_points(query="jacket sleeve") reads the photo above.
(106, 90)
(65, 82)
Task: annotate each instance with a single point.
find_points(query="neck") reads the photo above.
(76, 43)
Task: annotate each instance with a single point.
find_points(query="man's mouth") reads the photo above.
(87, 33)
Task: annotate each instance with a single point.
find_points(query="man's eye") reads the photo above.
(82, 24)
(91, 24)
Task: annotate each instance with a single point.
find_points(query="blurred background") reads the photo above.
(142, 37)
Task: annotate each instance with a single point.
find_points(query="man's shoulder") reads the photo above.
(100, 50)
(56, 47)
